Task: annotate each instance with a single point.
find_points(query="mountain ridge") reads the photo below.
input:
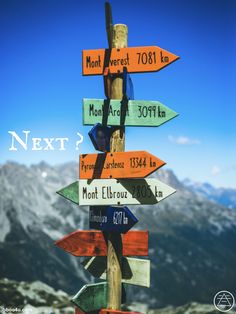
(183, 232)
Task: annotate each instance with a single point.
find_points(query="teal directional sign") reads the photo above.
(93, 297)
(135, 113)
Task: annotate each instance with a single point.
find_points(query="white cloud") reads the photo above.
(215, 170)
(183, 140)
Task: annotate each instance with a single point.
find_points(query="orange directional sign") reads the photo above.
(94, 243)
(135, 164)
(135, 59)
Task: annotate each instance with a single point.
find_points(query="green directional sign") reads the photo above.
(93, 297)
(131, 113)
(71, 192)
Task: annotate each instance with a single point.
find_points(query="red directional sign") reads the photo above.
(135, 164)
(135, 59)
(93, 243)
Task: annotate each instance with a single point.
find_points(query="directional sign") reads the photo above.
(135, 271)
(136, 113)
(93, 297)
(100, 137)
(135, 164)
(117, 192)
(135, 59)
(111, 219)
(94, 243)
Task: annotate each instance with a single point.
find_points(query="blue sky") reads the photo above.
(41, 85)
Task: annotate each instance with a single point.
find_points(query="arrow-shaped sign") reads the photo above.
(117, 192)
(136, 113)
(135, 271)
(94, 243)
(111, 219)
(135, 59)
(93, 297)
(135, 164)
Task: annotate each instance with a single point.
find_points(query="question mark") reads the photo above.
(79, 141)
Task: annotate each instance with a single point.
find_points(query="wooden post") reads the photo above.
(117, 144)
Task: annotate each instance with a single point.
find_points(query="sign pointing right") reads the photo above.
(135, 59)
(135, 113)
(119, 165)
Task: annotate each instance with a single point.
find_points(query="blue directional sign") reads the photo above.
(100, 137)
(128, 89)
(111, 219)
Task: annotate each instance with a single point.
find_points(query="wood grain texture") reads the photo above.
(94, 243)
(117, 144)
(132, 164)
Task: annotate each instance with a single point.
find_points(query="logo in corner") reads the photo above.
(224, 301)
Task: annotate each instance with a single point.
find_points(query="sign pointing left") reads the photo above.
(94, 243)
(93, 297)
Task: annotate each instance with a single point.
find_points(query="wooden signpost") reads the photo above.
(111, 219)
(117, 192)
(136, 113)
(94, 243)
(115, 177)
(136, 164)
(135, 59)
(135, 271)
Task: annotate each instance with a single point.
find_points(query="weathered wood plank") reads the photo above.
(94, 243)
(135, 271)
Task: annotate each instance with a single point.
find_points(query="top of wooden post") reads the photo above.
(120, 36)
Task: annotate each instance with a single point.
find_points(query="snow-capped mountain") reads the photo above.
(223, 196)
(191, 240)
